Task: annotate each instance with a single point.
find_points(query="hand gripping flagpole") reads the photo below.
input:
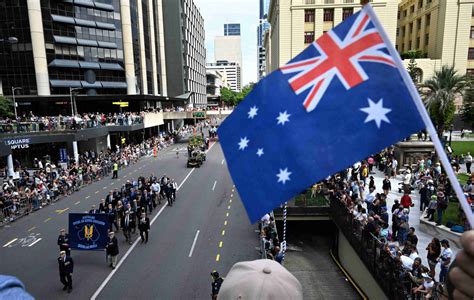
(424, 115)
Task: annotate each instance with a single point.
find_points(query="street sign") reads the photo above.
(199, 115)
(120, 103)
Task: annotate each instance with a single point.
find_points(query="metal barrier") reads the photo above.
(388, 272)
(263, 249)
(24, 206)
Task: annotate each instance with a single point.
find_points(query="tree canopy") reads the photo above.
(233, 98)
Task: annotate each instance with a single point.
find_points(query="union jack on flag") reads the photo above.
(338, 57)
(364, 99)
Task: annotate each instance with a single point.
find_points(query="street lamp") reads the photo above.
(13, 96)
(71, 89)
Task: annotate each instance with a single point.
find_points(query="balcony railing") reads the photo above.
(384, 268)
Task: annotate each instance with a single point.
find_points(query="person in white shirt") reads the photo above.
(445, 259)
(155, 187)
(426, 288)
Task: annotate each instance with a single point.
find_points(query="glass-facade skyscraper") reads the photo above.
(231, 29)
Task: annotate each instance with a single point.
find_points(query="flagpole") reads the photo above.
(424, 115)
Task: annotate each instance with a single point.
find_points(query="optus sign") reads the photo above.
(22, 143)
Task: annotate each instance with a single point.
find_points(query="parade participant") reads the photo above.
(174, 186)
(66, 267)
(115, 171)
(169, 193)
(112, 249)
(112, 217)
(63, 242)
(93, 210)
(125, 224)
(216, 284)
(156, 189)
(144, 227)
(102, 206)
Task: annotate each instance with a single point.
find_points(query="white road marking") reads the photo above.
(88, 197)
(77, 202)
(35, 242)
(104, 283)
(214, 186)
(194, 244)
(10, 242)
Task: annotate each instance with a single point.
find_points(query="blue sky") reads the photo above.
(218, 12)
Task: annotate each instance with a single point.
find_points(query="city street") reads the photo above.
(206, 229)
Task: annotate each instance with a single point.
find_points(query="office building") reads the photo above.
(263, 26)
(185, 50)
(216, 80)
(231, 70)
(231, 29)
(103, 48)
(443, 31)
(296, 24)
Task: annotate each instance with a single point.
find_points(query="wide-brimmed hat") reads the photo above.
(260, 279)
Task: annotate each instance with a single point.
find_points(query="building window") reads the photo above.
(348, 1)
(412, 9)
(472, 32)
(309, 16)
(470, 71)
(308, 37)
(470, 54)
(328, 1)
(398, 31)
(328, 15)
(310, 1)
(398, 15)
(418, 24)
(410, 28)
(420, 3)
(428, 20)
(409, 45)
(405, 13)
(427, 39)
(347, 12)
(417, 43)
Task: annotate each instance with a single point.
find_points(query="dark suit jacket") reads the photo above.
(144, 226)
(112, 246)
(66, 265)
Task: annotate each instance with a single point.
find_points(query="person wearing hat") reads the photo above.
(112, 249)
(445, 259)
(426, 288)
(63, 242)
(66, 267)
(216, 284)
(260, 279)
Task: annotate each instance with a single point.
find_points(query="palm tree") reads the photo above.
(439, 93)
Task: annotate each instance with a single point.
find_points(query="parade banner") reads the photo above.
(88, 231)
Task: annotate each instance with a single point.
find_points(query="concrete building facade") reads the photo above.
(232, 73)
(185, 50)
(442, 30)
(263, 27)
(101, 48)
(296, 24)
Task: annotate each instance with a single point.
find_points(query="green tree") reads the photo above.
(467, 111)
(439, 93)
(245, 91)
(228, 96)
(412, 69)
(6, 107)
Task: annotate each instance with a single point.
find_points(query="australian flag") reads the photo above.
(343, 98)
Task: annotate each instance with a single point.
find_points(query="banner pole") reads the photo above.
(426, 118)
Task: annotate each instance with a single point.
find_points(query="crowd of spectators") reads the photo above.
(80, 121)
(366, 206)
(269, 242)
(47, 182)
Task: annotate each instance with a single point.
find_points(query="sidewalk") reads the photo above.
(415, 214)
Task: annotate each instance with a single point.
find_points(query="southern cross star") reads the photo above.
(260, 152)
(252, 112)
(283, 176)
(376, 112)
(243, 143)
(283, 118)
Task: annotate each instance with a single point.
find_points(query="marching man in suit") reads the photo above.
(66, 267)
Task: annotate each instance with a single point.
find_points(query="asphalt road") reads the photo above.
(165, 268)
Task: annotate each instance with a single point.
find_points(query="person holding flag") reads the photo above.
(351, 73)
